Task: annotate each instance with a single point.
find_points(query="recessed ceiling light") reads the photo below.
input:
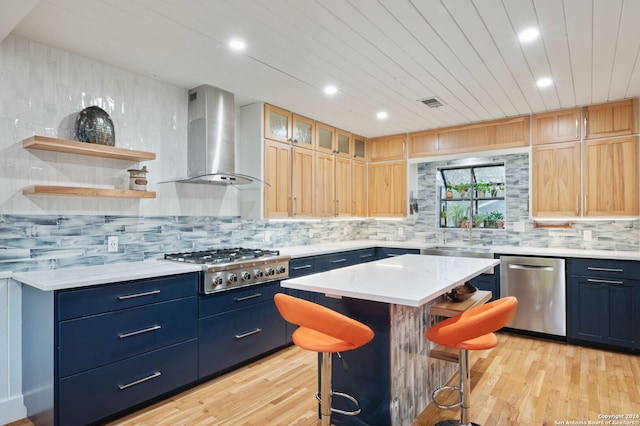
(237, 45)
(544, 82)
(330, 90)
(528, 35)
(382, 115)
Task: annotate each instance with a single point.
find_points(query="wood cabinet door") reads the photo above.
(325, 138)
(359, 191)
(555, 171)
(344, 144)
(302, 182)
(324, 185)
(344, 186)
(423, 144)
(387, 189)
(303, 131)
(359, 148)
(277, 124)
(277, 173)
(388, 148)
(611, 177)
(556, 126)
(611, 119)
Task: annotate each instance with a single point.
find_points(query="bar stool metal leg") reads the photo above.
(465, 391)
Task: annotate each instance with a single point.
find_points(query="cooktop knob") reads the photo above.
(281, 269)
(217, 281)
(245, 275)
(269, 271)
(258, 273)
(232, 278)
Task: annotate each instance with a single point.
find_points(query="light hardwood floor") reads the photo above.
(523, 381)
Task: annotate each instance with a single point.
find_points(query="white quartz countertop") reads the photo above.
(59, 279)
(410, 279)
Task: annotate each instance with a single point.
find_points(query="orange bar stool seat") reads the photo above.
(471, 330)
(324, 331)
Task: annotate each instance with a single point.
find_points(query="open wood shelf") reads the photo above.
(444, 353)
(95, 150)
(450, 309)
(86, 192)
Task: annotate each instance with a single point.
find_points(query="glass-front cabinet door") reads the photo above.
(471, 196)
(324, 138)
(303, 131)
(277, 124)
(359, 148)
(344, 147)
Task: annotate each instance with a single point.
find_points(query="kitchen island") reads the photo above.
(393, 376)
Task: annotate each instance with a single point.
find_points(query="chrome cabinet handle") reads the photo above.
(593, 280)
(297, 268)
(339, 261)
(577, 128)
(593, 268)
(146, 293)
(137, 382)
(364, 256)
(253, 296)
(248, 333)
(135, 333)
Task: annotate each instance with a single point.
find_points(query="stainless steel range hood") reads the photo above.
(210, 139)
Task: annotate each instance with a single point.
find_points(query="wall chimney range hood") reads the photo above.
(210, 139)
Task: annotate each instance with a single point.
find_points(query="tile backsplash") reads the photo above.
(42, 89)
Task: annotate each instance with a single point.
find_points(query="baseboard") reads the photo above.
(12, 409)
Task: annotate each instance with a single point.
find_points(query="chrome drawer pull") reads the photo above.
(131, 296)
(137, 382)
(297, 268)
(592, 280)
(242, 299)
(364, 256)
(338, 260)
(248, 333)
(593, 268)
(145, 330)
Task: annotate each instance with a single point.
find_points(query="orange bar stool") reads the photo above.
(325, 331)
(471, 330)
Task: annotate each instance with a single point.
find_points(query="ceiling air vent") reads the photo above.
(432, 102)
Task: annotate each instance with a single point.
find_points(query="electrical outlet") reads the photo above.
(518, 227)
(588, 235)
(267, 236)
(112, 244)
(400, 230)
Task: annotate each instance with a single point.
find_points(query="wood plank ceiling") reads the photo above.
(381, 54)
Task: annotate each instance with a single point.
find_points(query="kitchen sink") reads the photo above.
(459, 251)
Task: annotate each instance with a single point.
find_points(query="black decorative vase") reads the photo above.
(94, 125)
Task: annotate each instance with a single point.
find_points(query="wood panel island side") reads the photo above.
(393, 376)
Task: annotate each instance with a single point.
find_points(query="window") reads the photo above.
(471, 196)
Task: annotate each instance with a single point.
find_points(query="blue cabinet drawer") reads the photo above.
(604, 268)
(301, 266)
(231, 338)
(105, 298)
(216, 303)
(384, 252)
(90, 396)
(89, 342)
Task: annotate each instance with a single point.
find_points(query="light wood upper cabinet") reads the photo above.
(304, 130)
(556, 126)
(277, 173)
(387, 189)
(324, 205)
(343, 144)
(611, 119)
(359, 188)
(277, 124)
(325, 138)
(487, 135)
(387, 148)
(611, 177)
(344, 186)
(302, 182)
(359, 148)
(555, 186)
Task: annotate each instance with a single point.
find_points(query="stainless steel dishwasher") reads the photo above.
(539, 285)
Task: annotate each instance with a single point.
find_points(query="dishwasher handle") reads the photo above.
(530, 267)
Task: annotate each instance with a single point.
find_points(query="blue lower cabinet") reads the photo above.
(95, 394)
(384, 252)
(489, 282)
